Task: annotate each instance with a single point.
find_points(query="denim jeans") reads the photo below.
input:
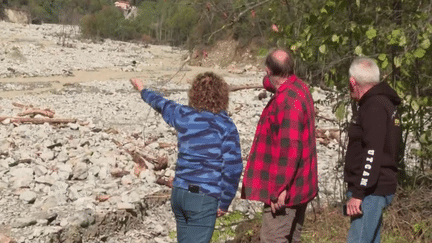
(195, 215)
(366, 228)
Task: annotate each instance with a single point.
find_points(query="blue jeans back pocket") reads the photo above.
(194, 202)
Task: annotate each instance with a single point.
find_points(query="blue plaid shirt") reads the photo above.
(209, 152)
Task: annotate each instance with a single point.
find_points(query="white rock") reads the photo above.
(28, 196)
(62, 156)
(127, 180)
(21, 172)
(73, 126)
(21, 182)
(125, 206)
(47, 155)
(40, 170)
(6, 121)
(80, 171)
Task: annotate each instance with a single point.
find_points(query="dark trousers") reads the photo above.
(283, 226)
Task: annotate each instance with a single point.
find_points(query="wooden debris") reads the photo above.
(37, 120)
(102, 198)
(117, 173)
(166, 145)
(241, 87)
(324, 136)
(165, 182)
(21, 105)
(232, 88)
(150, 140)
(34, 112)
(161, 163)
(140, 162)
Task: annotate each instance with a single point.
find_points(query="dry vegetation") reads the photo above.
(407, 220)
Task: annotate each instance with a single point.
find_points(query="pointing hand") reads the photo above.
(137, 83)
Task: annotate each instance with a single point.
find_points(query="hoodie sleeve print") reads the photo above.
(166, 107)
(374, 123)
(231, 169)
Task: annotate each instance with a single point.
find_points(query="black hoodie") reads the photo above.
(374, 137)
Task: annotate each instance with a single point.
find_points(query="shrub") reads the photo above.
(106, 23)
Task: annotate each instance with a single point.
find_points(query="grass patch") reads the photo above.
(226, 226)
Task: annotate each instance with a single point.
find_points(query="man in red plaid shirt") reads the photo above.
(282, 165)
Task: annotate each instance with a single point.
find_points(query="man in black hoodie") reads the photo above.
(370, 162)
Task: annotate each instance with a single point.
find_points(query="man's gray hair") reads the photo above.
(365, 71)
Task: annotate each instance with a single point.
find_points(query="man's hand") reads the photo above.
(353, 207)
(137, 83)
(220, 213)
(280, 202)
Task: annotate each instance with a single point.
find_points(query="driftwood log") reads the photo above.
(248, 86)
(34, 112)
(37, 120)
(232, 88)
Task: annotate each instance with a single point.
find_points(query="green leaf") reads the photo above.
(408, 58)
(331, 3)
(340, 112)
(371, 33)
(425, 44)
(384, 64)
(415, 105)
(358, 3)
(419, 53)
(382, 57)
(335, 38)
(358, 50)
(402, 40)
(397, 61)
(396, 32)
(323, 49)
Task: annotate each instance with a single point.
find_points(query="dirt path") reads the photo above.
(33, 84)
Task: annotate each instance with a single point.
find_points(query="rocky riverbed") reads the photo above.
(77, 181)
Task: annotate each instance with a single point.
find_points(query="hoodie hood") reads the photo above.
(382, 89)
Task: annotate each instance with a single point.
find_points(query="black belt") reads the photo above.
(194, 188)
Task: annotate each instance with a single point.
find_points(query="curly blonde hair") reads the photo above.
(209, 92)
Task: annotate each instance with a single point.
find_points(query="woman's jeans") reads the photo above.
(195, 215)
(366, 228)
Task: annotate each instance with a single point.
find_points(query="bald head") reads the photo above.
(280, 63)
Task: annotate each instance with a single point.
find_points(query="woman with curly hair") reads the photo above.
(209, 162)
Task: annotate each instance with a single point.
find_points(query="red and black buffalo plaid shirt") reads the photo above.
(283, 154)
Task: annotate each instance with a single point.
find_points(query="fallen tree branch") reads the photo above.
(327, 119)
(21, 105)
(232, 88)
(33, 112)
(37, 120)
(248, 86)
